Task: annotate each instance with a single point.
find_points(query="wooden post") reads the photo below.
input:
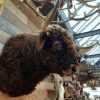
(14, 21)
(28, 12)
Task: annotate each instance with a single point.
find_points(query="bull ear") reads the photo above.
(83, 50)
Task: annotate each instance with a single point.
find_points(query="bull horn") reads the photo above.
(50, 16)
(83, 50)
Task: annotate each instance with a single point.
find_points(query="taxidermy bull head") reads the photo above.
(27, 59)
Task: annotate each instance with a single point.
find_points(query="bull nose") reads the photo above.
(74, 67)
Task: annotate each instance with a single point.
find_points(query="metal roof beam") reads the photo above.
(86, 34)
(64, 17)
(82, 20)
(98, 62)
(91, 56)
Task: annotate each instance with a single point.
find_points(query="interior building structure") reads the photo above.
(80, 17)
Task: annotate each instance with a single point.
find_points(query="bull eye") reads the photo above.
(48, 43)
(57, 45)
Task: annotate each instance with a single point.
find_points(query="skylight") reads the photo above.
(91, 23)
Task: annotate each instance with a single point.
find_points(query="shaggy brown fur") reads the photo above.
(26, 60)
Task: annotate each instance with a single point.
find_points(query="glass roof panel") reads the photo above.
(89, 24)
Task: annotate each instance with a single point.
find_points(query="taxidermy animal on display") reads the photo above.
(27, 59)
